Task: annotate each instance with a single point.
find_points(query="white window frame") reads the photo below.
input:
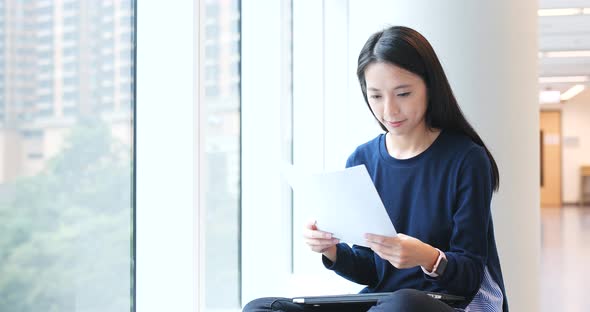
(168, 140)
(266, 221)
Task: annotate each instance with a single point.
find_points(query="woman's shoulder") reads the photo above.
(460, 143)
(365, 151)
(464, 150)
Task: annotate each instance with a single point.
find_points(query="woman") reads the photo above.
(435, 177)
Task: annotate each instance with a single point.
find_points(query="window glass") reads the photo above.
(66, 164)
(222, 108)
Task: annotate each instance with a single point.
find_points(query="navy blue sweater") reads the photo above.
(441, 197)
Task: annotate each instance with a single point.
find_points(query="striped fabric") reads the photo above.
(489, 298)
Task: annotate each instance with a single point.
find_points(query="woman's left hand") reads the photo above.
(403, 251)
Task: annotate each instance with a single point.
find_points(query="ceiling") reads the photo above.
(564, 33)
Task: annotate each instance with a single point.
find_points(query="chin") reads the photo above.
(396, 131)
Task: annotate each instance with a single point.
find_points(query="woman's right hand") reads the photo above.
(319, 241)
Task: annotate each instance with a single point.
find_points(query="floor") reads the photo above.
(565, 261)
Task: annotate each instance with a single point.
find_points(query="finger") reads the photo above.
(374, 238)
(317, 241)
(391, 259)
(379, 243)
(383, 240)
(383, 251)
(323, 250)
(309, 233)
(317, 234)
(395, 259)
(322, 242)
(320, 247)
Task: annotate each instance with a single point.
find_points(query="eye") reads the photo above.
(404, 94)
(375, 96)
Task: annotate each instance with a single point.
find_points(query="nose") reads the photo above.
(391, 109)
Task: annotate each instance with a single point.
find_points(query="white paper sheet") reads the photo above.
(344, 203)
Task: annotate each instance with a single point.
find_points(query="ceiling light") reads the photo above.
(573, 91)
(561, 12)
(559, 79)
(578, 53)
(549, 96)
(586, 11)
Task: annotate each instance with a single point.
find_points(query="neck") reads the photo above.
(411, 144)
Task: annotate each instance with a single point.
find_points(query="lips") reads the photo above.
(395, 124)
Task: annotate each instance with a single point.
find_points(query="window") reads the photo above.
(212, 91)
(71, 96)
(235, 48)
(211, 74)
(70, 81)
(35, 156)
(70, 69)
(71, 36)
(212, 9)
(44, 25)
(45, 11)
(212, 30)
(45, 112)
(46, 98)
(222, 148)
(212, 52)
(45, 41)
(126, 72)
(235, 70)
(70, 111)
(70, 51)
(126, 54)
(43, 55)
(71, 21)
(71, 5)
(126, 37)
(44, 84)
(32, 133)
(127, 20)
(66, 179)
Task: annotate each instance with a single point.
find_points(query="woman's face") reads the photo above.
(397, 97)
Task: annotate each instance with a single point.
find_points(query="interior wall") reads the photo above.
(575, 143)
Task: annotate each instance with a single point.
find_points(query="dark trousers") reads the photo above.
(406, 300)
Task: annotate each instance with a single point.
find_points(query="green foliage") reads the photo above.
(67, 231)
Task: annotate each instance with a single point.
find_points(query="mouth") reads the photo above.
(395, 124)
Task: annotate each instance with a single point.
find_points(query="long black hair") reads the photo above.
(408, 49)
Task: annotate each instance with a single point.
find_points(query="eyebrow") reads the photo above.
(398, 87)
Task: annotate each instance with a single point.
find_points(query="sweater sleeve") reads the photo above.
(468, 247)
(356, 264)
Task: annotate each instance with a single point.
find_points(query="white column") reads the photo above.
(266, 219)
(168, 150)
(489, 52)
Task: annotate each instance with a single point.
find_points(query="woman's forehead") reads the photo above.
(383, 75)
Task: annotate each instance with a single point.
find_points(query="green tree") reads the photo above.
(67, 231)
